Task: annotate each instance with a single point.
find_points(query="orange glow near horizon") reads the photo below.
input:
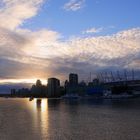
(32, 81)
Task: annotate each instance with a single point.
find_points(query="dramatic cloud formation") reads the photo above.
(26, 54)
(74, 5)
(43, 54)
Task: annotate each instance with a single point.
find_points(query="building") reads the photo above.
(13, 92)
(53, 87)
(82, 87)
(73, 79)
(38, 83)
(71, 86)
(39, 90)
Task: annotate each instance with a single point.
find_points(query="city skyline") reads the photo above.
(69, 69)
(48, 38)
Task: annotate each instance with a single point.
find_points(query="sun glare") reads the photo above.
(41, 103)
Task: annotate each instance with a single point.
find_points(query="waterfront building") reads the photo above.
(53, 87)
(72, 84)
(82, 88)
(73, 79)
(38, 83)
(38, 90)
(13, 91)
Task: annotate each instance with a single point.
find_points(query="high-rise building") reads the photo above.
(73, 79)
(13, 91)
(71, 86)
(53, 87)
(38, 90)
(38, 83)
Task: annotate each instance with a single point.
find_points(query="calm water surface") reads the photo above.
(21, 119)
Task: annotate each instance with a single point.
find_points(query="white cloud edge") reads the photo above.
(14, 12)
(45, 45)
(74, 5)
(93, 30)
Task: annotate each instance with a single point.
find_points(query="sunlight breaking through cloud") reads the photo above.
(43, 53)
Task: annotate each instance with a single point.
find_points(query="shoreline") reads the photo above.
(80, 98)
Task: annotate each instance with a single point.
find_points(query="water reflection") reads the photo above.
(54, 103)
(41, 112)
(38, 104)
(42, 119)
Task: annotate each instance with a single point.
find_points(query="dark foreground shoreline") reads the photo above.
(96, 98)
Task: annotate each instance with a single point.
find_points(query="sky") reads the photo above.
(51, 38)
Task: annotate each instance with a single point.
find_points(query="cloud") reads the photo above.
(43, 54)
(74, 5)
(92, 30)
(14, 12)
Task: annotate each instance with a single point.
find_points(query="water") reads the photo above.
(21, 119)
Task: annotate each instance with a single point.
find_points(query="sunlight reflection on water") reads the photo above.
(43, 119)
(40, 107)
